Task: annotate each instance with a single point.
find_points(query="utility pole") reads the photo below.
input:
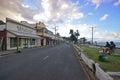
(55, 34)
(92, 33)
(55, 29)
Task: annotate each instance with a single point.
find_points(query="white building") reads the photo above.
(18, 35)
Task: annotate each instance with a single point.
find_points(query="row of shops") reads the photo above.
(16, 35)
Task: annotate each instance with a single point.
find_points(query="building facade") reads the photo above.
(44, 33)
(17, 35)
(3, 37)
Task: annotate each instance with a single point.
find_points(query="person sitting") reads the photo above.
(107, 48)
(112, 47)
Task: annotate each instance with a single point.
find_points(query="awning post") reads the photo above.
(18, 50)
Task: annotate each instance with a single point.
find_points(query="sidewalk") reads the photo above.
(2, 53)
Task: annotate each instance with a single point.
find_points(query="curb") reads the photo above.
(7, 52)
(88, 73)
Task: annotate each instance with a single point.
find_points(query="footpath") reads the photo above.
(2, 53)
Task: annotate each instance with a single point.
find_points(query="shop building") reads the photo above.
(45, 33)
(16, 35)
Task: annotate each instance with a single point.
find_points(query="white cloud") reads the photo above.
(117, 3)
(52, 11)
(57, 10)
(84, 29)
(107, 36)
(104, 17)
(26, 6)
(16, 10)
(97, 3)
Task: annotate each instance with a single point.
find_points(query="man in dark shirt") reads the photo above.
(107, 48)
(112, 47)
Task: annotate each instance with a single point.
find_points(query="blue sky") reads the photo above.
(69, 14)
(111, 23)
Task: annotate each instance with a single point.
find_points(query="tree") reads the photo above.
(66, 38)
(72, 36)
(71, 31)
(83, 40)
(1, 22)
(77, 34)
(58, 34)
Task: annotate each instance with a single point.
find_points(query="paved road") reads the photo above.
(51, 63)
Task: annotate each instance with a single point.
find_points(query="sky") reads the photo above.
(102, 15)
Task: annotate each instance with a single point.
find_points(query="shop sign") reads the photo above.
(23, 29)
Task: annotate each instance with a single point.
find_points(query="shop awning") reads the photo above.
(20, 34)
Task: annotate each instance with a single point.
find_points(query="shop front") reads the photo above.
(15, 39)
(21, 36)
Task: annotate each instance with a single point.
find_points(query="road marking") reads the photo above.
(45, 57)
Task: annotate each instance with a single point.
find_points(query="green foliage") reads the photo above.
(66, 38)
(83, 40)
(73, 38)
(74, 35)
(1, 22)
(77, 34)
(113, 63)
(58, 34)
(71, 31)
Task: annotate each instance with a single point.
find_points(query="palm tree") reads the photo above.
(77, 34)
(72, 37)
(71, 31)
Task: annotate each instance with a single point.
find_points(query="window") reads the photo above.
(13, 42)
(32, 41)
(39, 30)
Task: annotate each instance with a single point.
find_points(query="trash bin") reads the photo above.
(103, 57)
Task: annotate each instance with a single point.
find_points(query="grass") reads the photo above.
(113, 63)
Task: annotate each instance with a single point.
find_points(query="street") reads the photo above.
(56, 62)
